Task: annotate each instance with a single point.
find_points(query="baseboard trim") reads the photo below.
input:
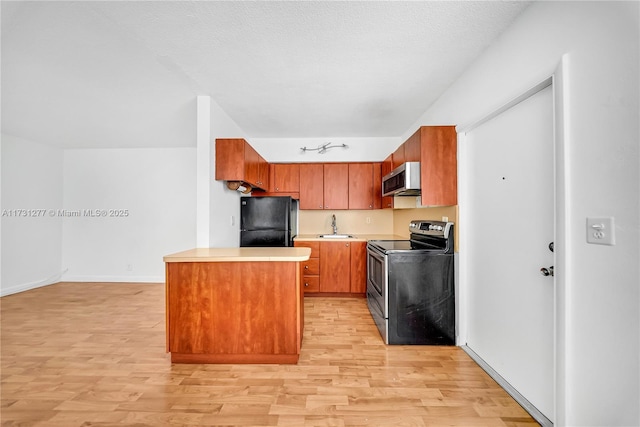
(31, 285)
(61, 278)
(522, 401)
(115, 279)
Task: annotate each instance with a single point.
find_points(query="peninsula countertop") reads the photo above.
(240, 255)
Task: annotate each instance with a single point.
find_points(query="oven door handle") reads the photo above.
(374, 253)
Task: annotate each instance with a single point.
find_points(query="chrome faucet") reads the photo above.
(333, 224)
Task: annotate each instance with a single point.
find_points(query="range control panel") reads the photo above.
(430, 228)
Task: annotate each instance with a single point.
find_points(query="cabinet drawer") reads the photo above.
(311, 283)
(315, 247)
(311, 266)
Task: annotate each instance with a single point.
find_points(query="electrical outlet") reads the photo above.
(368, 220)
(445, 218)
(601, 231)
(233, 220)
(129, 267)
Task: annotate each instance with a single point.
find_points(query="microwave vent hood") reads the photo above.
(402, 181)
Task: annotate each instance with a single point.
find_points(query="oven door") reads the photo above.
(377, 288)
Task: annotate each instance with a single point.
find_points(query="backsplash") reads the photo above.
(377, 221)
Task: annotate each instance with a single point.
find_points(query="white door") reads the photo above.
(510, 223)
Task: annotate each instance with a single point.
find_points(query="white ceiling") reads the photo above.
(126, 74)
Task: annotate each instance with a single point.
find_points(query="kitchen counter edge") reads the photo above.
(355, 238)
(240, 255)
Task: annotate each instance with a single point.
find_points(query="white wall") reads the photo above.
(598, 378)
(287, 150)
(31, 246)
(225, 203)
(158, 189)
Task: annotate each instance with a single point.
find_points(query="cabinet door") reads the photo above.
(398, 157)
(336, 186)
(386, 167)
(263, 173)
(438, 166)
(377, 186)
(358, 267)
(412, 148)
(311, 186)
(335, 268)
(360, 186)
(230, 159)
(286, 177)
(251, 165)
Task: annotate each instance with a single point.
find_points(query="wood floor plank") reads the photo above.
(93, 354)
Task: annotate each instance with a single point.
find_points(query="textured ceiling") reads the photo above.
(106, 74)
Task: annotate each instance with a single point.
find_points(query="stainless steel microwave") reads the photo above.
(402, 181)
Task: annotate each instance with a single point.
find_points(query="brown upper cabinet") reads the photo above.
(412, 148)
(285, 178)
(311, 186)
(365, 186)
(336, 186)
(438, 165)
(236, 160)
(348, 185)
(398, 158)
(386, 167)
(324, 186)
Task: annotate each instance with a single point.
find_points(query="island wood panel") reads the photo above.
(189, 308)
(234, 312)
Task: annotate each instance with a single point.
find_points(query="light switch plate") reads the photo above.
(601, 231)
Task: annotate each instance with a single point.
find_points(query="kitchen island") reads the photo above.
(235, 305)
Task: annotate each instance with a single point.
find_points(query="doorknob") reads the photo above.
(547, 271)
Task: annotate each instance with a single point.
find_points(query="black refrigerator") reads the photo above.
(268, 221)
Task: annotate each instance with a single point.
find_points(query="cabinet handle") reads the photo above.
(370, 206)
(346, 244)
(320, 206)
(326, 207)
(306, 285)
(277, 189)
(306, 267)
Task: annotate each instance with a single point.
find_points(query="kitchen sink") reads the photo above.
(335, 236)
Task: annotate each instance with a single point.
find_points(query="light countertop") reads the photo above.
(240, 255)
(356, 237)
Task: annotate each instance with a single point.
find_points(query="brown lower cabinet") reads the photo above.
(334, 267)
(358, 267)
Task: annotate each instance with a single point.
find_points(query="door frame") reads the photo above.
(560, 87)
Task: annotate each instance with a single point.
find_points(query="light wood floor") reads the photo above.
(92, 354)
